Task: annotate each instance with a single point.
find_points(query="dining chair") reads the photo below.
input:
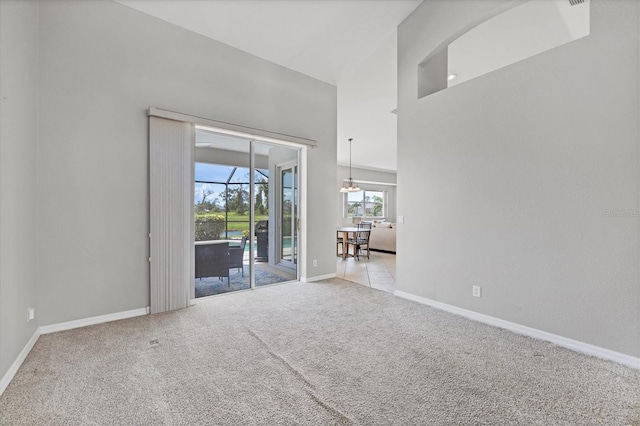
(361, 239)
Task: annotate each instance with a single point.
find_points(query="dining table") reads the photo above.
(345, 231)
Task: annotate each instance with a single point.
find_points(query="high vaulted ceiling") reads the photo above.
(325, 39)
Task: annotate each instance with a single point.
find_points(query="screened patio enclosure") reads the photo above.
(222, 201)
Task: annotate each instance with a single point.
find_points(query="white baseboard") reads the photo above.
(6, 379)
(62, 326)
(46, 329)
(585, 348)
(318, 278)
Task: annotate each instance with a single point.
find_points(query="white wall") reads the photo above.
(19, 196)
(375, 181)
(505, 181)
(102, 65)
(365, 101)
(514, 35)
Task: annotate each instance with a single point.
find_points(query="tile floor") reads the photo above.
(378, 272)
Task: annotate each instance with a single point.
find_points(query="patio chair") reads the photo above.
(212, 260)
(236, 256)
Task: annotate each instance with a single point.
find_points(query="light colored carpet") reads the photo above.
(317, 353)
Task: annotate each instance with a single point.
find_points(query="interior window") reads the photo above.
(365, 203)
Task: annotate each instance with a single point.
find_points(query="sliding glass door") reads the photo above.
(276, 242)
(288, 206)
(245, 205)
(222, 209)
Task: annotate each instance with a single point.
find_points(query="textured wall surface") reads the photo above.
(525, 181)
(102, 66)
(19, 198)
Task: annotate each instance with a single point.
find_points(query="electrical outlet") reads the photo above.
(477, 291)
(315, 262)
(31, 314)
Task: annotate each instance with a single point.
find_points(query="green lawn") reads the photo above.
(237, 222)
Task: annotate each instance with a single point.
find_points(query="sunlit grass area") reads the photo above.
(240, 222)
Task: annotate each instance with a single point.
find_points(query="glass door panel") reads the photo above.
(275, 213)
(221, 214)
(288, 207)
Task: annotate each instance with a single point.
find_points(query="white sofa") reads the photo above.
(383, 237)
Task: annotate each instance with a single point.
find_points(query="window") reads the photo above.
(365, 204)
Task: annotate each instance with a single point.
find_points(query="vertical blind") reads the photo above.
(170, 204)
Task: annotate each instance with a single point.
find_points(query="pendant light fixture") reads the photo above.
(349, 185)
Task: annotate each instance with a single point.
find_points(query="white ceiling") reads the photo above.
(325, 39)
